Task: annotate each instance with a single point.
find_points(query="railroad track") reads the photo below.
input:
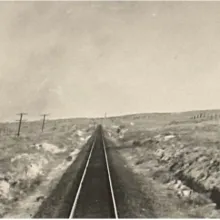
(95, 196)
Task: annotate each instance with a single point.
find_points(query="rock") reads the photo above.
(168, 137)
(162, 176)
(136, 143)
(158, 137)
(2, 176)
(6, 178)
(166, 158)
(148, 141)
(39, 198)
(186, 193)
(139, 162)
(202, 158)
(121, 136)
(114, 126)
(69, 158)
(177, 184)
(79, 133)
(36, 146)
(4, 188)
(82, 139)
(52, 148)
(14, 183)
(15, 199)
(87, 138)
(118, 130)
(122, 126)
(159, 153)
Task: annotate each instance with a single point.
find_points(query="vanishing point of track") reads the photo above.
(95, 194)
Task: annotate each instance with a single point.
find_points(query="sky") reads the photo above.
(82, 59)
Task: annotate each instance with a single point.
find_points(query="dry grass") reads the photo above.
(28, 163)
(167, 147)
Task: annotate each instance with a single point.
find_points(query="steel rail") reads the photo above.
(110, 180)
(81, 182)
(83, 176)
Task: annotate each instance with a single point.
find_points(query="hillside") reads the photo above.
(33, 163)
(178, 153)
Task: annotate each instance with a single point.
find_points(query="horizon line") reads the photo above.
(33, 119)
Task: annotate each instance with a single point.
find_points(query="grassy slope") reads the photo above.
(166, 147)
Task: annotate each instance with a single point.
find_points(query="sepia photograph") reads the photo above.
(109, 109)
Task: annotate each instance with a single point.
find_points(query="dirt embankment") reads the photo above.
(59, 203)
(31, 166)
(182, 162)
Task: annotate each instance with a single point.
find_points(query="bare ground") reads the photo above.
(32, 164)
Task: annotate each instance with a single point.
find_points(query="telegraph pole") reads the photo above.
(105, 118)
(20, 121)
(44, 119)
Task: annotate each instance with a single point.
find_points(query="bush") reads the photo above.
(136, 143)
(140, 161)
(69, 158)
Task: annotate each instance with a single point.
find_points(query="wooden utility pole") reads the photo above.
(44, 119)
(20, 121)
(105, 116)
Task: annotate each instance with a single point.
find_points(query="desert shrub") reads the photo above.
(174, 122)
(39, 198)
(140, 161)
(136, 143)
(122, 126)
(69, 158)
(162, 176)
(26, 185)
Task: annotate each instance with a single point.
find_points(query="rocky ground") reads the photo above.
(179, 157)
(32, 164)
